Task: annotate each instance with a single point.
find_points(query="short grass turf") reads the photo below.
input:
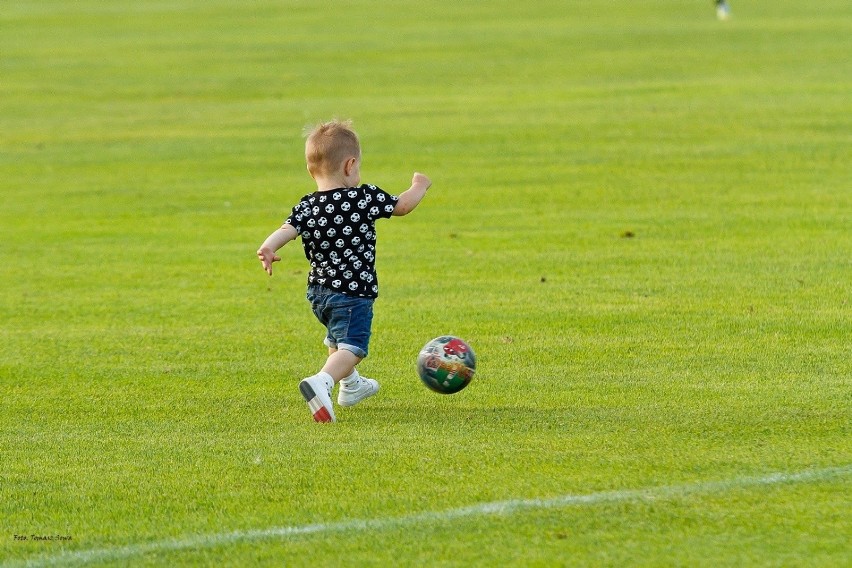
(640, 220)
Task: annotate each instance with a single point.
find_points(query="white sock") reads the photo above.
(326, 378)
(351, 379)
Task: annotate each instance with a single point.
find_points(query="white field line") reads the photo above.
(197, 542)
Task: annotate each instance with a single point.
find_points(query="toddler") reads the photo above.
(337, 224)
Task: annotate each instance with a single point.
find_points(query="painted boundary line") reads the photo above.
(80, 557)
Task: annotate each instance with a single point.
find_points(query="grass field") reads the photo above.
(641, 219)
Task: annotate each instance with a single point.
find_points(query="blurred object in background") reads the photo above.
(723, 11)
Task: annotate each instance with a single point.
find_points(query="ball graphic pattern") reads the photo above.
(446, 364)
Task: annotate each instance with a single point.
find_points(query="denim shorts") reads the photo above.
(347, 319)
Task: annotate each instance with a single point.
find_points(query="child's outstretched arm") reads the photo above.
(266, 252)
(410, 198)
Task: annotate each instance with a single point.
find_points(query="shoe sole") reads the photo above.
(317, 408)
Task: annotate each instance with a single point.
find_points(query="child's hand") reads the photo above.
(267, 257)
(266, 252)
(421, 181)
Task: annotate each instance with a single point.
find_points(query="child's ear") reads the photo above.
(348, 165)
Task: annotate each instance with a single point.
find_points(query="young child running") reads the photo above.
(337, 226)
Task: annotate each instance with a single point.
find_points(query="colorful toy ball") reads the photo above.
(446, 364)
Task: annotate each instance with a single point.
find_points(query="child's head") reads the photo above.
(329, 146)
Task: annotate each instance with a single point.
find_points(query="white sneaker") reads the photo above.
(318, 397)
(353, 394)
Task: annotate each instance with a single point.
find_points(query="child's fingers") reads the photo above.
(267, 263)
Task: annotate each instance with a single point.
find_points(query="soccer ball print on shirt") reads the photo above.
(338, 230)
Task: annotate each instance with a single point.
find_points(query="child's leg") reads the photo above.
(340, 363)
(347, 321)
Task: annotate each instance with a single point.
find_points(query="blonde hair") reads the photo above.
(329, 144)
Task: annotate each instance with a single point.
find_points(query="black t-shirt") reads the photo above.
(338, 230)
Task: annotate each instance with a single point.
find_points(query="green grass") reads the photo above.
(148, 367)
